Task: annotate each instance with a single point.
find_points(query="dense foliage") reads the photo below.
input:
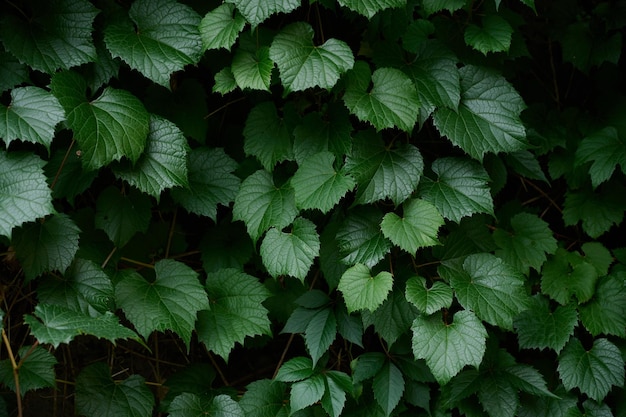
(270, 208)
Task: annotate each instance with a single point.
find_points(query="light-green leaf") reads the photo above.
(236, 311)
(388, 386)
(606, 311)
(448, 347)
(170, 302)
(256, 11)
(253, 68)
(266, 136)
(31, 116)
(360, 239)
(221, 26)
(304, 65)
(24, 193)
(161, 37)
(369, 8)
(488, 117)
(417, 228)
(428, 299)
(493, 35)
(35, 370)
(361, 290)
(120, 215)
(605, 149)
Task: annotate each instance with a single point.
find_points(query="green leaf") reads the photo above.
(388, 386)
(121, 216)
(598, 211)
(527, 244)
(295, 369)
(528, 379)
(418, 31)
(605, 313)
(236, 311)
(163, 163)
(256, 11)
(195, 378)
(107, 128)
(266, 136)
(31, 116)
(24, 194)
(170, 302)
(319, 132)
(592, 371)
(318, 185)
(494, 35)
(548, 406)
(320, 333)
(253, 69)
(434, 6)
(605, 149)
(448, 347)
(261, 205)
(349, 326)
(526, 164)
(391, 102)
(598, 256)
(304, 65)
(56, 324)
(428, 299)
(221, 26)
(66, 175)
(361, 290)
(307, 392)
(211, 182)
(334, 397)
(461, 188)
(193, 405)
(48, 245)
(225, 246)
(224, 81)
(541, 327)
(489, 287)
(366, 366)
(98, 395)
(498, 396)
(36, 370)
(381, 172)
(488, 117)
(264, 398)
(418, 228)
(12, 73)
(54, 35)
(160, 38)
(369, 8)
(392, 319)
(567, 274)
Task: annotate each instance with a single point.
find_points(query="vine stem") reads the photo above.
(16, 375)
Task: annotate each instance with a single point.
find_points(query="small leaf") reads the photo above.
(253, 69)
(236, 311)
(221, 26)
(170, 302)
(369, 8)
(266, 136)
(606, 312)
(428, 300)
(295, 369)
(256, 11)
(598, 211)
(605, 149)
(159, 38)
(494, 35)
(418, 228)
(392, 319)
(31, 116)
(121, 216)
(592, 371)
(361, 290)
(388, 386)
(36, 370)
(448, 347)
(307, 392)
(224, 81)
(304, 65)
(264, 398)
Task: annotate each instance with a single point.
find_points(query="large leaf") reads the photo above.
(383, 172)
(428, 299)
(121, 215)
(304, 65)
(170, 302)
(236, 311)
(107, 128)
(24, 194)
(266, 136)
(488, 117)
(605, 149)
(161, 37)
(31, 116)
(36, 369)
(97, 395)
(489, 287)
(493, 35)
(163, 164)
(221, 26)
(606, 311)
(56, 35)
(461, 188)
(417, 228)
(391, 101)
(256, 11)
(361, 290)
(360, 239)
(369, 8)
(448, 347)
(594, 370)
(211, 182)
(49, 245)
(264, 398)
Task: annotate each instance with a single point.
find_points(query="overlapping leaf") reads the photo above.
(605, 313)
(266, 136)
(361, 290)
(36, 370)
(369, 8)
(121, 216)
(493, 35)
(264, 398)
(221, 26)
(193, 405)
(597, 211)
(417, 228)
(388, 386)
(323, 132)
(12, 72)
(605, 149)
(256, 11)
(567, 274)
(319, 326)
(360, 239)
(434, 6)
(253, 68)
(428, 299)
(392, 319)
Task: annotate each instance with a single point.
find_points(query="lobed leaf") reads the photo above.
(605, 149)
(36, 370)
(493, 35)
(418, 228)
(220, 27)
(361, 290)
(257, 11)
(264, 398)
(266, 136)
(428, 299)
(121, 215)
(605, 313)
(253, 69)
(392, 319)
(598, 211)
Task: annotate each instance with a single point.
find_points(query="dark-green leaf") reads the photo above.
(256, 11)
(266, 136)
(605, 149)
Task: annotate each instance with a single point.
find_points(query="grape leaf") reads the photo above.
(307, 392)
(159, 38)
(392, 319)
(319, 132)
(360, 238)
(304, 65)
(24, 194)
(598, 256)
(488, 117)
(224, 81)
(221, 26)
(48, 245)
(428, 299)
(253, 68)
(498, 396)
(527, 244)
(381, 172)
(318, 185)
(606, 311)
(264, 398)
(489, 287)
(97, 395)
(211, 182)
(448, 347)
(388, 386)
(417, 32)
(434, 6)
(36, 370)
(256, 11)
(541, 327)
(121, 216)
(261, 205)
(266, 136)
(567, 274)
(391, 102)
(598, 211)
(57, 324)
(493, 35)
(461, 188)
(31, 116)
(12, 73)
(193, 405)
(361, 290)
(170, 302)
(54, 35)
(592, 371)
(163, 163)
(236, 311)
(418, 228)
(107, 128)
(369, 8)
(605, 149)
